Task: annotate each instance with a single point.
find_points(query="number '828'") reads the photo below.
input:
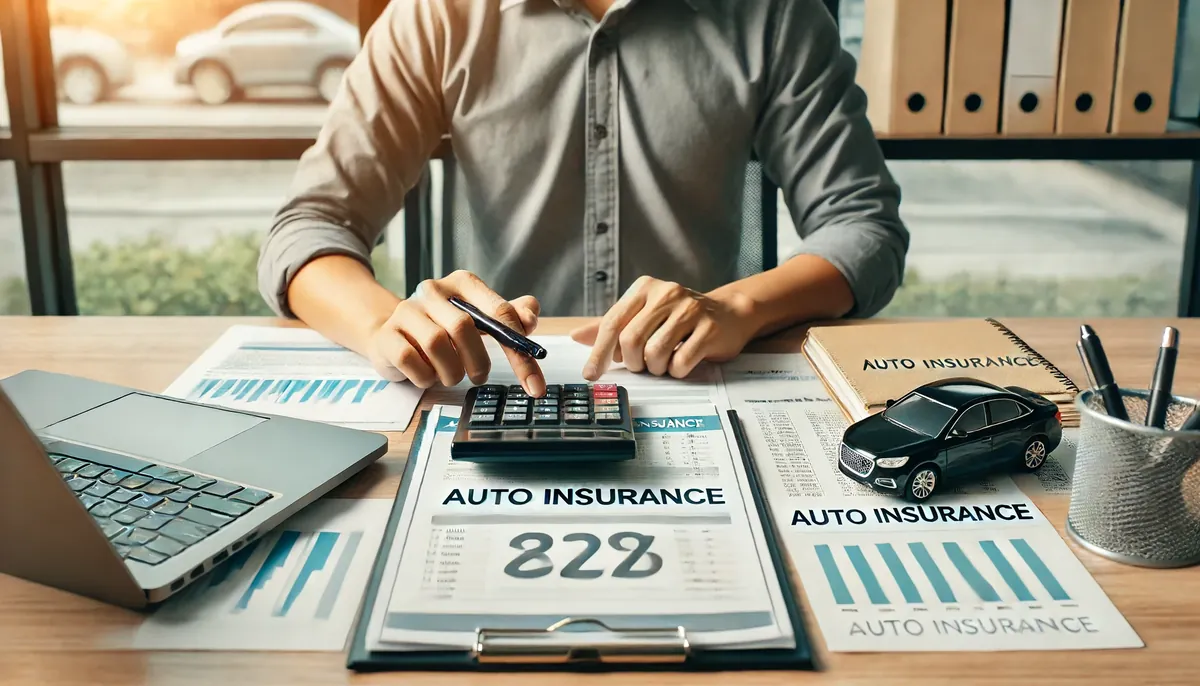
(533, 561)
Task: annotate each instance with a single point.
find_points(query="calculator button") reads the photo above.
(576, 387)
(491, 388)
(608, 417)
(606, 401)
(576, 402)
(486, 402)
(605, 387)
(545, 402)
(516, 402)
(545, 418)
(515, 418)
(553, 389)
(604, 394)
(545, 410)
(483, 419)
(578, 418)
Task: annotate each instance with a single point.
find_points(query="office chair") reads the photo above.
(429, 247)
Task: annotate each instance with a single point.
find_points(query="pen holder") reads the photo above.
(1135, 496)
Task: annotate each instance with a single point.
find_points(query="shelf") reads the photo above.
(1181, 145)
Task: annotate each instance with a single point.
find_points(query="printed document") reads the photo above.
(669, 539)
(978, 568)
(297, 588)
(296, 373)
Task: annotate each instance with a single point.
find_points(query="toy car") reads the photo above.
(950, 430)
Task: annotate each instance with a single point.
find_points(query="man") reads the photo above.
(604, 146)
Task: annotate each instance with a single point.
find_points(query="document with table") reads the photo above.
(671, 539)
(981, 569)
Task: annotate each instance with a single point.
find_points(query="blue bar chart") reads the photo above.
(297, 587)
(285, 391)
(1019, 588)
(912, 575)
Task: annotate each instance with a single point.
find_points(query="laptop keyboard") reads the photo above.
(157, 512)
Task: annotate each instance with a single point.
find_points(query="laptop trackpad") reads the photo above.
(155, 429)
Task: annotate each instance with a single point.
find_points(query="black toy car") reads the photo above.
(950, 430)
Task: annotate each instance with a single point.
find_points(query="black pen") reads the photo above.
(1106, 386)
(1164, 376)
(503, 335)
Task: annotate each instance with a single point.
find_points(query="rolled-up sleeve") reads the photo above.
(380, 130)
(817, 145)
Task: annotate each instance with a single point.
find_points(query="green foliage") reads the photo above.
(153, 276)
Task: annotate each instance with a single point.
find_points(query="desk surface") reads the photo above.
(44, 632)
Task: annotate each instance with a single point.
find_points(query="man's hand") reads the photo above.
(426, 339)
(664, 328)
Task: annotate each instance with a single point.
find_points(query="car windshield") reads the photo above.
(920, 414)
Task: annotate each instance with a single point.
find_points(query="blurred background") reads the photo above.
(181, 237)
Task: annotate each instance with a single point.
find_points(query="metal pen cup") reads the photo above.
(1135, 496)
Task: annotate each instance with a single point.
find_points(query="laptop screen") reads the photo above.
(157, 429)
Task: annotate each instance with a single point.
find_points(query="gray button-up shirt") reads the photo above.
(597, 151)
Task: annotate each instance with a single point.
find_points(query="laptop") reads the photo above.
(128, 497)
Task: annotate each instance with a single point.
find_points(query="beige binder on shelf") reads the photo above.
(902, 65)
(1031, 67)
(1089, 56)
(1145, 66)
(974, 67)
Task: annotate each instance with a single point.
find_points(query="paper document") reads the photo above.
(975, 568)
(296, 588)
(669, 539)
(564, 364)
(296, 373)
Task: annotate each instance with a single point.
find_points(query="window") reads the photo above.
(1040, 239)
(1004, 410)
(972, 420)
(272, 23)
(160, 63)
(14, 294)
(178, 238)
(920, 414)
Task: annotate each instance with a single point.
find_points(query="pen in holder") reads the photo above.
(1135, 496)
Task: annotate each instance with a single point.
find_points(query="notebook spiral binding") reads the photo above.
(1028, 350)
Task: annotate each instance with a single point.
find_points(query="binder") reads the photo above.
(1031, 67)
(974, 67)
(1185, 95)
(1145, 66)
(1089, 56)
(655, 649)
(902, 65)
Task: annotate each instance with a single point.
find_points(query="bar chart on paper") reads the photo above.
(296, 587)
(978, 590)
(296, 373)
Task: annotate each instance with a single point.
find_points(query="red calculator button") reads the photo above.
(604, 387)
(604, 394)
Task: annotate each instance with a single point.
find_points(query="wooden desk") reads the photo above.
(45, 634)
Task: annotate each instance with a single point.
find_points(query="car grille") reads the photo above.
(856, 462)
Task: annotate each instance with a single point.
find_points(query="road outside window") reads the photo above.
(180, 238)
(200, 62)
(14, 294)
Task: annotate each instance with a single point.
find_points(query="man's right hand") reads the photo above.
(427, 339)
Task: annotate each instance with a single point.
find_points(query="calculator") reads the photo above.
(571, 423)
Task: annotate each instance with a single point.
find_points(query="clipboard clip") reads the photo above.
(540, 645)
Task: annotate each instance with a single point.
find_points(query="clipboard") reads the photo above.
(659, 649)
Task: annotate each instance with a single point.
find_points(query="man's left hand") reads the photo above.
(664, 328)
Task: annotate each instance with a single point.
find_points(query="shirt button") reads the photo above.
(601, 131)
(602, 227)
(601, 276)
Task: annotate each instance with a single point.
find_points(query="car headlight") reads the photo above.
(891, 462)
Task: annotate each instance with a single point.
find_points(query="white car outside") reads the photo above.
(89, 65)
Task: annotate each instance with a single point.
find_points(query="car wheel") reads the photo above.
(922, 484)
(213, 83)
(329, 79)
(1035, 453)
(82, 82)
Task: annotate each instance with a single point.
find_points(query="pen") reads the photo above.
(504, 335)
(1086, 369)
(1164, 375)
(1106, 386)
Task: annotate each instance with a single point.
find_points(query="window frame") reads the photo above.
(37, 146)
(1024, 411)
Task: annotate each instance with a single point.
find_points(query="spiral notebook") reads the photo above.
(865, 366)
